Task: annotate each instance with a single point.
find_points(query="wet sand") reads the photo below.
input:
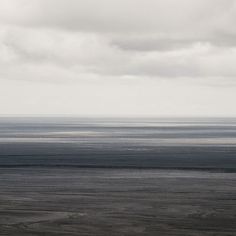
(77, 201)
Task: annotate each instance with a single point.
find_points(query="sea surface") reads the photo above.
(136, 143)
(117, 177)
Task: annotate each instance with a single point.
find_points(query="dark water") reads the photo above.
(160, 143)
(116, 202)
(48, 186)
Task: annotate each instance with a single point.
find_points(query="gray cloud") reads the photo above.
(172, 20)
(91, 53)
(127, 37)
(120, 57)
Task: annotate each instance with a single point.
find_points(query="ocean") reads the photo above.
(112, 143)
(117, 177)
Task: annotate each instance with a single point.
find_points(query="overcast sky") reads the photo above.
(118, 57)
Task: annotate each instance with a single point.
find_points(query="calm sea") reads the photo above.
(127, 143)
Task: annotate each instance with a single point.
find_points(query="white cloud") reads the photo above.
(81, 53)
(99, 44)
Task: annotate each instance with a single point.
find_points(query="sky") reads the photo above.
(118, 57)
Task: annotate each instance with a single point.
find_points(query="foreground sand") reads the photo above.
(116, 202)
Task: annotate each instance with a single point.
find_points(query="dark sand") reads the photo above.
(38, 201)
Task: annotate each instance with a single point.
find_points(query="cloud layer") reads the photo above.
(88, 41)
(126, 37)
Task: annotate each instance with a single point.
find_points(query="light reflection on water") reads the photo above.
(180, 143)
(149, 132)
